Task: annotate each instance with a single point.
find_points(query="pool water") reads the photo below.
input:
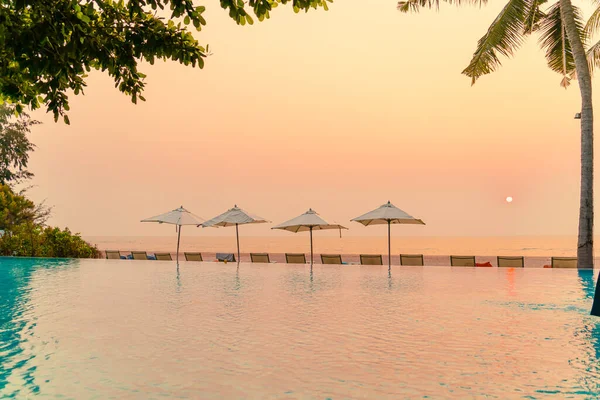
(100, 329)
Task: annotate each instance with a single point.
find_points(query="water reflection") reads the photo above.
(238, 283)
(590, 333)
(298, 281)
(16, 327)
(286, 331)
(510, 279)
(586, 279)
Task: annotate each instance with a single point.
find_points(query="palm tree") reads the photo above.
(563, 36)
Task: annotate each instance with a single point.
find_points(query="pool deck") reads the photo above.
(432, 260)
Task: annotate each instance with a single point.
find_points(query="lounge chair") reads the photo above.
(193, 256)
(260, 258)
(412, 260)
(564, 262)
(113, 254)
(371, 259)
(295, 258)
(511, 262)
(331, 259)
(462, 261)
(163, 256)
(226, 257)
(139, 255)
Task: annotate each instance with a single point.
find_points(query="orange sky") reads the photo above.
(339, 111)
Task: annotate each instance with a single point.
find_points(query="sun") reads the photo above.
(509, 199)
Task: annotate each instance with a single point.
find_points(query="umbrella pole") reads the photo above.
(178, 239)
(237, 235)
(311, 248)
(389, 246)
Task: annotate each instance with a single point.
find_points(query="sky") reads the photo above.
(338, 110)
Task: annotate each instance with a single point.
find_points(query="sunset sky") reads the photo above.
(339, 111)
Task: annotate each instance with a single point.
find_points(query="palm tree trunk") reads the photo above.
(585, 242)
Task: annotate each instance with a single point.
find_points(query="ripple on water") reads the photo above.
(124, 329)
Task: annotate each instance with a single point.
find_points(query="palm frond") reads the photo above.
(533, 16)
(504, 36)
(406, 6)
(593, 57)
(593, 23)
(416, 5)
(556, 43)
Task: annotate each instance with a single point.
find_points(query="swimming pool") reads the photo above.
(143, 330)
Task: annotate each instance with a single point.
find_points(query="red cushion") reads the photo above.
(547, 266)
(485, 264)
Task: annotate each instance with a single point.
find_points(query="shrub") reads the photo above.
(29, 240)
(25, 234)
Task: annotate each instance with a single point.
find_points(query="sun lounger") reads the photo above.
(295, 258)
(371, 259)
(331, 259)
(163, 256)
(193, 256)
(226, 257)
(462, 261)
(564, 262)
(514, 262)
(113, 254)
(139, 255)
(260, 258)
(412, 260)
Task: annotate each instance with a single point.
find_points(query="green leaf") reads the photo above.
(504, 36)
(593, 23)
(111, 36)
(415, 5)
(533, 16)
(66, 119)
(593, 57)
(553, 38)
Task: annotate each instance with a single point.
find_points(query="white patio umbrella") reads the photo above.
(308, 221)
(387, 214)
(234, 217)
(177, 217)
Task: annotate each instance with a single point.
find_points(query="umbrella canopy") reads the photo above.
(387, 214)
(234, 217)
(177, 217)
(308, 221)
